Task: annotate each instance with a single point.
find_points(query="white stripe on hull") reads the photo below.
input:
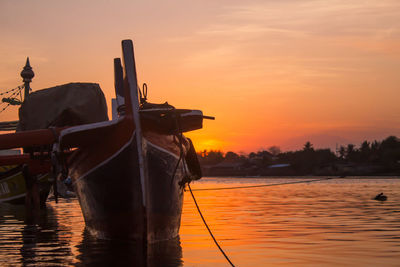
(12, 198)
(106, 160)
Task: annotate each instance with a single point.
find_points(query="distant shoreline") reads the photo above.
(310, 177)
(370, 159)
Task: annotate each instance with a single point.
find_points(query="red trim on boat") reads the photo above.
(29, 138)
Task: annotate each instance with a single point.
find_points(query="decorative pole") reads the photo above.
(27, 74)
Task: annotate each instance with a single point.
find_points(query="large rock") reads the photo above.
(64, 105)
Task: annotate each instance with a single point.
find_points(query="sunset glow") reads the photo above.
(271, 72)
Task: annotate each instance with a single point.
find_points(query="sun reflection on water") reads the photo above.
(328, 223)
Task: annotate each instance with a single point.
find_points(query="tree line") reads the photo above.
(369, 158)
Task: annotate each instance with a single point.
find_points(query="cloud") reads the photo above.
(304, 39)
(335, 17)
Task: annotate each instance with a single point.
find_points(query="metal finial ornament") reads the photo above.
(27, 74)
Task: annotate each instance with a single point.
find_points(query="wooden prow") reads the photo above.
(130, 79)
(132, 109)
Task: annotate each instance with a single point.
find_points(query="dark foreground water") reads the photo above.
(328, 223)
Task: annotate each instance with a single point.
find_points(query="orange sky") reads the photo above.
(271, 72)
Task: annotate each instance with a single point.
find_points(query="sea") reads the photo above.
(287, 222)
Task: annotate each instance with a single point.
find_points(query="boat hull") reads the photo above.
(110, 194)
(13, 188)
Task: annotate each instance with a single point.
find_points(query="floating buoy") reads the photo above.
(381, 197)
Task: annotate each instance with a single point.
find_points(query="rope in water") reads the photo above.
(262, 185)
(238, 187)
(208, 228)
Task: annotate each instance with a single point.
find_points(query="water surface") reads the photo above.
(331, 223)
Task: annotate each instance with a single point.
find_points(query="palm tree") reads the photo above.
(308, 146)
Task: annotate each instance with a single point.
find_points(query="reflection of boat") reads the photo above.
(128, 173)
(47, 242)
(96, 252)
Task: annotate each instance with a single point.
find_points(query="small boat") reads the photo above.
(129, 173)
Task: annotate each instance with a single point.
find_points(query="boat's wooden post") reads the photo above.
(32, 197)
(132, 109)
(27, 74)
(119, 82)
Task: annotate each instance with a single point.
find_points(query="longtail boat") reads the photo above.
(129, 173)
